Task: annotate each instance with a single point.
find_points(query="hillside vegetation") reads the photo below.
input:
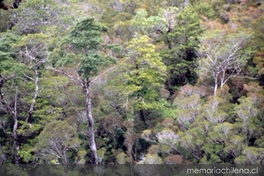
(132, 81)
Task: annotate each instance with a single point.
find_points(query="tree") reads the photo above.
(32, 51)
(9, 69)
(142, 24)
(143, 76)
(4, 20)
(82, 52)
(188, 115)
(56, 140)
(37, 16)
(223, 55)
(180, 34)
(169, 138)
(189, 104)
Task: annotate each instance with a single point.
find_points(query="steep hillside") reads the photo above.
(131, 81)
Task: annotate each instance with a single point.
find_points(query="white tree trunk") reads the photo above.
(13, 112)
(90, 119)
(30, 112)
(15, 126)
(215, 86)
(186, 3)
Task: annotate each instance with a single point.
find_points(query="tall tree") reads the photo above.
(223, 55)
(82, 53)
(9, 69)
(144, 75)
(182, 28)
(57, 138)
(37, 16)
(32, 51)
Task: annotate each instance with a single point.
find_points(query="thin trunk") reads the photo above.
(169, 44)
(141, 113)
(91, 138)
(13, 112)
(130, 139)
(186, 3)
(215, 86)
(15, 137)
(8, 109)
(222, 79)
(167, 38)
(142, 116)
(30, 112)
(222, 84)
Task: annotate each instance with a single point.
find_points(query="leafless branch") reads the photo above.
(75, 78)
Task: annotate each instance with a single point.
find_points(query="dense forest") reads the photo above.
(131, 81)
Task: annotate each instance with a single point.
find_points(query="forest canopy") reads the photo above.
(139, 82)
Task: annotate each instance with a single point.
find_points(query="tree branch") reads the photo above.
(7, 107)
(111, 68)
(66, 74)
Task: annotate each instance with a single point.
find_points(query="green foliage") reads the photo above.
(16, 170)
(145, 25)
(223, 55)
(33, 40)
(205, 9)
(84, 43)
(164, 47)
(56, 139)
(5, 17)
(39, 15)
(122, 158)
(251, 155)
(145, 73)
(26, 156)
(188, 23)
(188, 108)
(152, 159)
(9, 64)
(86, 29)
(181, 41)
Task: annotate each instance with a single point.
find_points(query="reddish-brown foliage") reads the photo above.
(167, 122)
(174, 159)
(5, 6)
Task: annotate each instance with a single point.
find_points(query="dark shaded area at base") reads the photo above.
(130, 170)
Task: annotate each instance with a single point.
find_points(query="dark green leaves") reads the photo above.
(83, 48)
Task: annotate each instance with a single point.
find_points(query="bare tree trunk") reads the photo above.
(215, 86)
(186, 3)
(130, 139)
(30, 112)
(142, 116)
(15, 137)
(223, 78)
(13, 112)
(3, 102)
(86, 87)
